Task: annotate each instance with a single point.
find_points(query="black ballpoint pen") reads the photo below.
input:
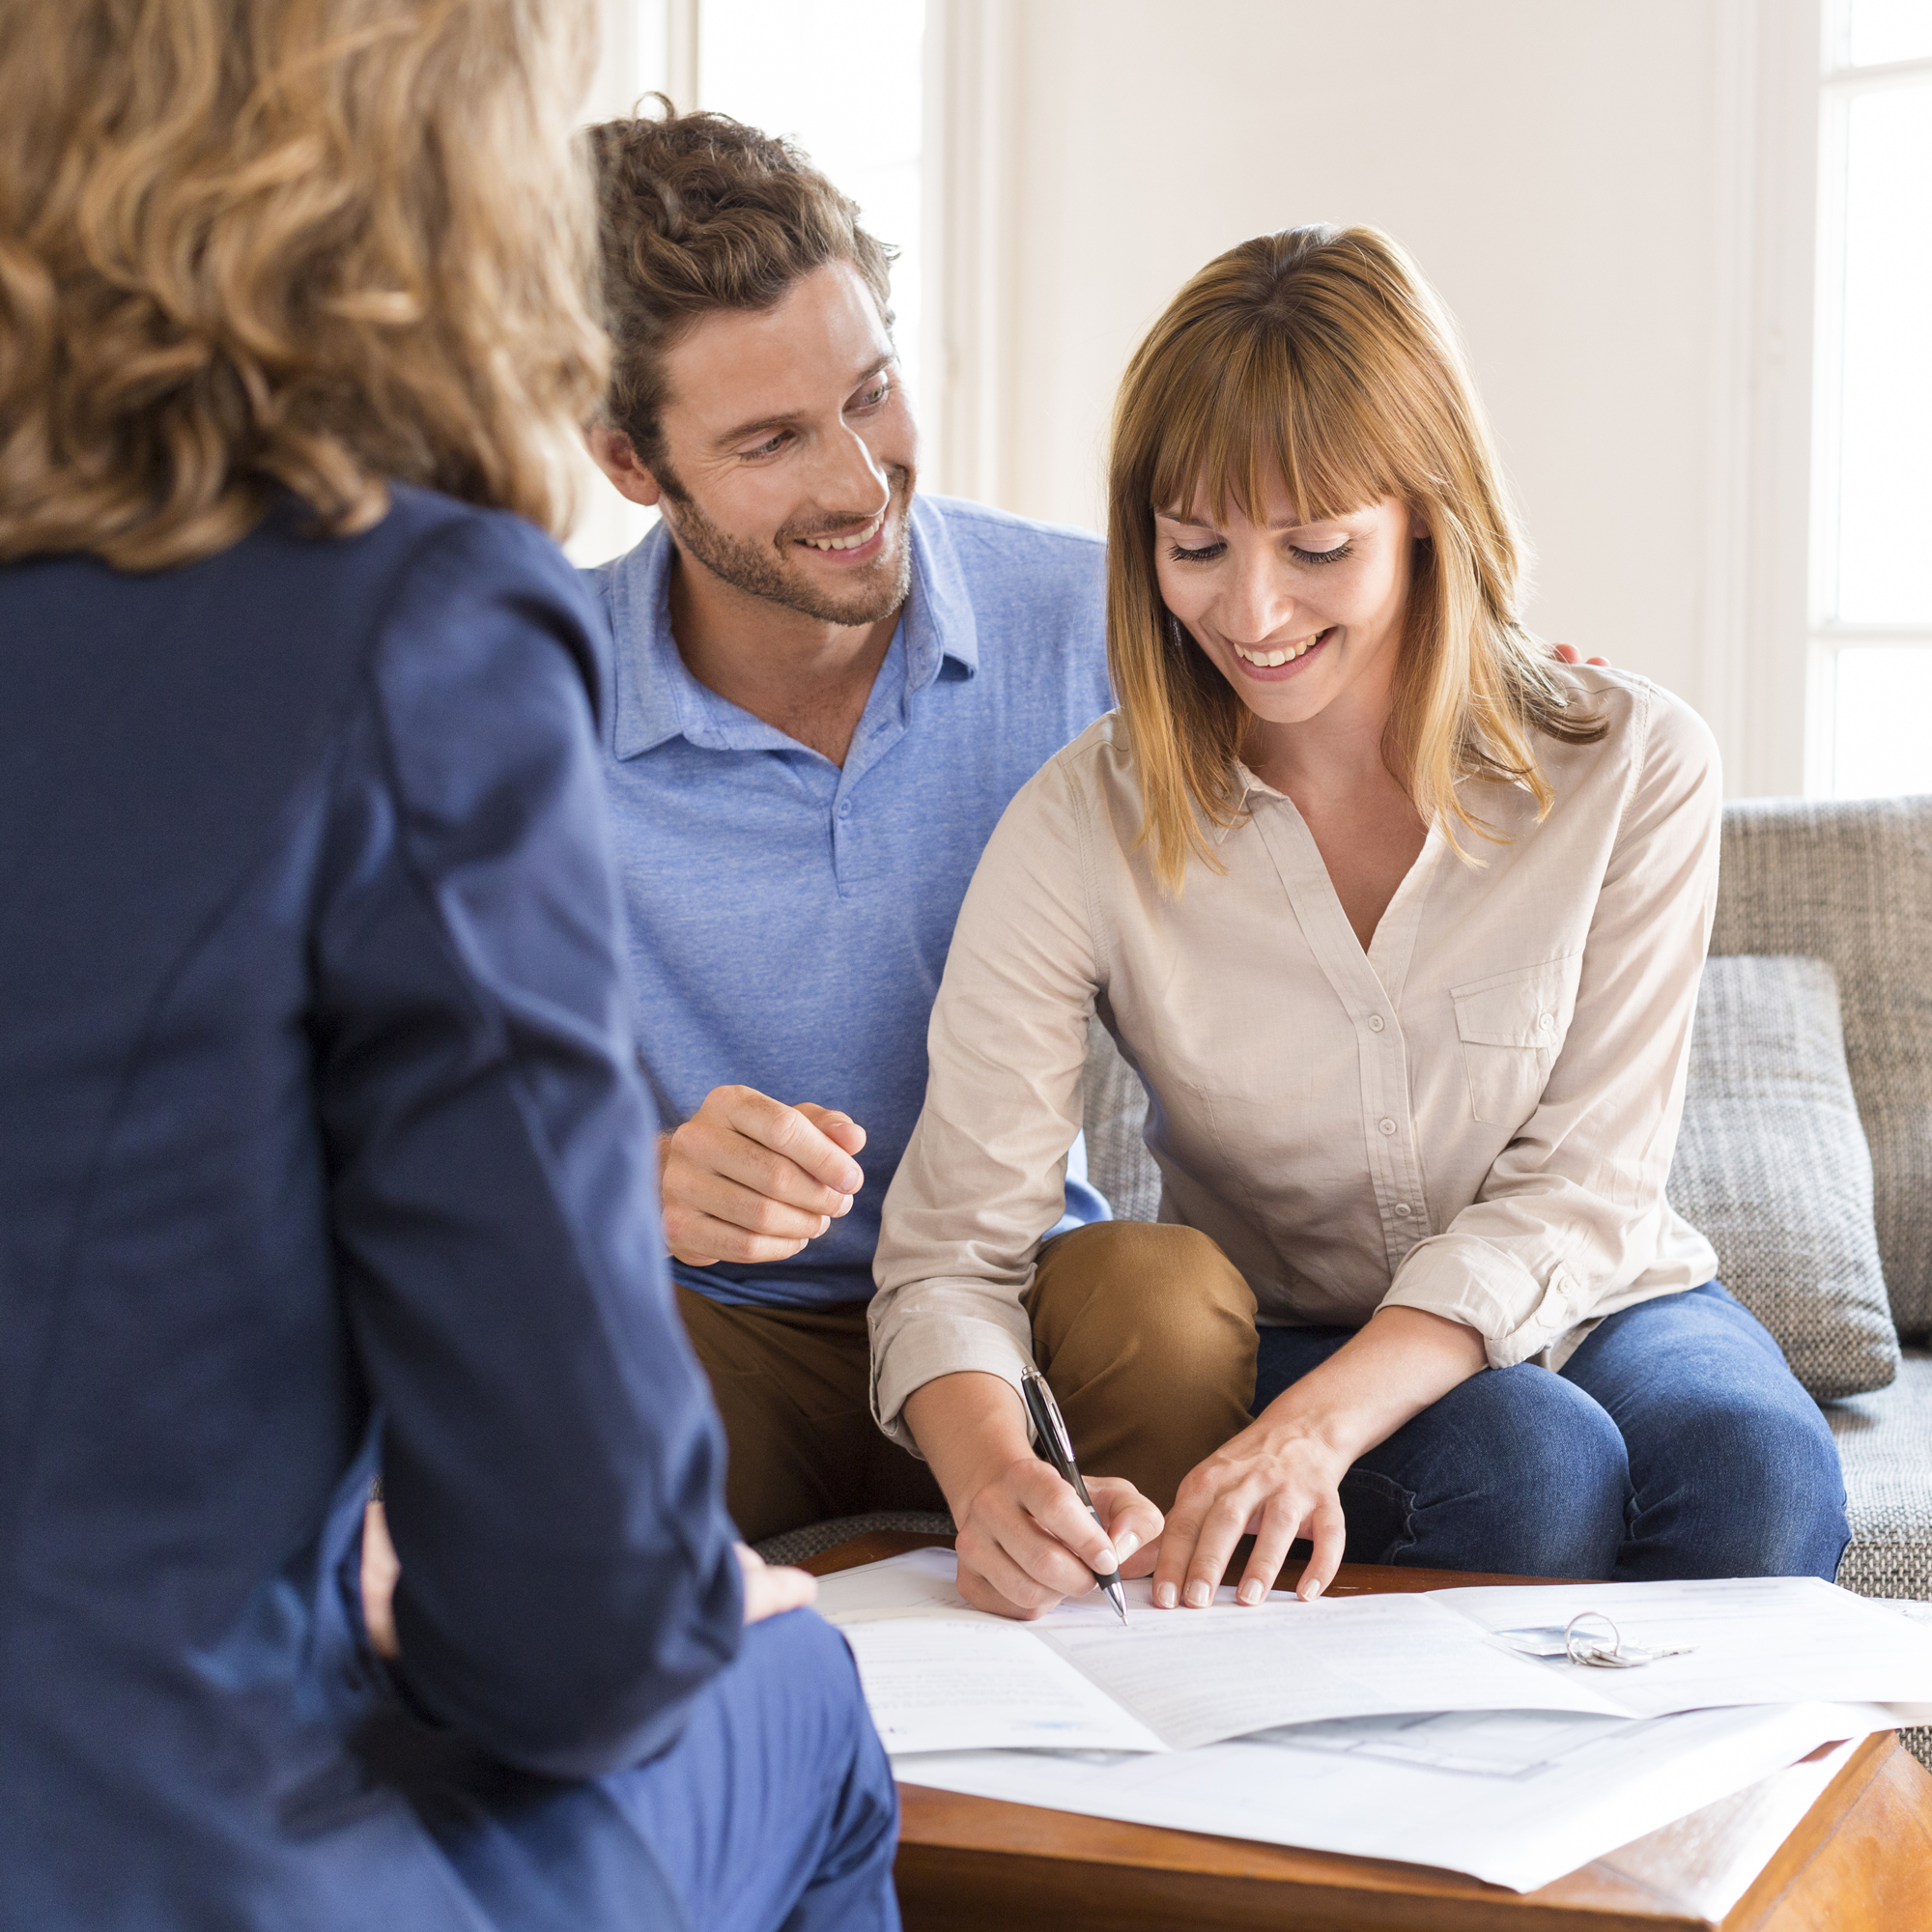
(1057, 1446)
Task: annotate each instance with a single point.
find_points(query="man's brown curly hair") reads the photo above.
(699, 213)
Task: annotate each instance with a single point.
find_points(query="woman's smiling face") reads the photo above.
(1292, 614)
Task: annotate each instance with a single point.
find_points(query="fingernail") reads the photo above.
(1197, 1594)
(855, 1179)
(1125, 1544)
(1163, 1596)
(845, 1205)
(1309, 1591)
(1250, 1592)
(1103, 1562)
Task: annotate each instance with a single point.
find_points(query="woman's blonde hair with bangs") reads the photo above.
(316, 244)
(1321, 356)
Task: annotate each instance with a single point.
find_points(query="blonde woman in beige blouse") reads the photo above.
(1400, 924)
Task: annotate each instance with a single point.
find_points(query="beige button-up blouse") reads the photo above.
(1475, 1118)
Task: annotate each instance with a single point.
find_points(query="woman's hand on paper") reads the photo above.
(770, 1592)
(748, 1178)
(1280, 1478)
(1272, 1481)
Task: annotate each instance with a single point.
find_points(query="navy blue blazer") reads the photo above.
(321, 1139)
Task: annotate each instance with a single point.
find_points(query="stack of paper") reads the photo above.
(1389, 1726)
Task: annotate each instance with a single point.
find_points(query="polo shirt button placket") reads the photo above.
(843, 845)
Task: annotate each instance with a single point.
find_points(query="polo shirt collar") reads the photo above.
(656, 698)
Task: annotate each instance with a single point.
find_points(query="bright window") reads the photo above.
(845, 80)
(1871, 577)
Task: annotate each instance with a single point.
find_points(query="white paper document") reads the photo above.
(1769, 1640)
(1516, 1801)
(932, 1683)
(1196, 1677)
(940, 1676)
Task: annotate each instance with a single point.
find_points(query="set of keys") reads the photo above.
(1583, 1644)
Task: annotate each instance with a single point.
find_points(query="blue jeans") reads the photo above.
(775, 1808)
(1674, 1443)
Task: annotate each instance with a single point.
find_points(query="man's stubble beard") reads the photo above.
(758, 569)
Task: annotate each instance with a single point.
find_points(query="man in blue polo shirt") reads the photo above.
(826, 690)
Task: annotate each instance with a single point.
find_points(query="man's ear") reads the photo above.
(611, 451)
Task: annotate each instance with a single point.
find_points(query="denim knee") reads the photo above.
(1515, 1470)
(1743, 1486)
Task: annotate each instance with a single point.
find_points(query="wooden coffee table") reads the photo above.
(1859, 1861)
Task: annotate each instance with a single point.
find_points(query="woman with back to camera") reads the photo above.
(320, 1136)
(1402, 925)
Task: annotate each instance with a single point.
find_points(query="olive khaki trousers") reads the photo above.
(1146, 1334)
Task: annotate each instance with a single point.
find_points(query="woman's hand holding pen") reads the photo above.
(1025, 1540)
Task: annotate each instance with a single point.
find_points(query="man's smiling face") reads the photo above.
(789, 451)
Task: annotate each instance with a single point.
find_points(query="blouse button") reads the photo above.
(1402, 1208)
(1547, 1022)
(1387, 1126)
(1375, 1023)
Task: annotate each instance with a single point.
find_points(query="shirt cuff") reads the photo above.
(923, 1342)
(1468, 1280)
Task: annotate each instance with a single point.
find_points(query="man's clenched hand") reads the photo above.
(748, 1178)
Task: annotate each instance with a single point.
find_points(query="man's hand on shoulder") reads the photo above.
(1569, 654)
(748, 1178)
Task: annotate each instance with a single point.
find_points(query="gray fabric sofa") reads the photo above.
(1849, 883)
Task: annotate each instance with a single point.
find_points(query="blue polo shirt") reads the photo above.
(788, 920)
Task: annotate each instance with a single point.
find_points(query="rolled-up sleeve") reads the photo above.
(1571, 1208)
(982, 1179)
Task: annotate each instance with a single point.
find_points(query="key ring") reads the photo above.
(1580, 1648)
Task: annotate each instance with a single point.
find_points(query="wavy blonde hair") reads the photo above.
(1321, 357)
(320, 245)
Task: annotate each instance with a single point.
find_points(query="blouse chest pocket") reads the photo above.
(1512, 1027)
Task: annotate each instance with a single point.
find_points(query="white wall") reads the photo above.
(1564, 172)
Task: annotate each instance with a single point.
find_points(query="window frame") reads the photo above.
(1841, 84)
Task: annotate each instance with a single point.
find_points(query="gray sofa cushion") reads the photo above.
(1885, 1445)
(1772, 1166)
(1850, 881)
(1115, 1107)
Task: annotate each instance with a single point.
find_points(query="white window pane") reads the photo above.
(1889, 30)
(1881, 727)
(1885, 501)
(845, 80)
